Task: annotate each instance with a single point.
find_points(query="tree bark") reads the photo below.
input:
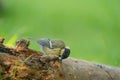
(22, 63)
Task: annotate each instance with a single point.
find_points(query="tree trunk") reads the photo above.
(22, 63)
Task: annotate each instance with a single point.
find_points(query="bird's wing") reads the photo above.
(44, 42)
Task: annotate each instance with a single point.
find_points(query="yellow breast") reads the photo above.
(56, 51)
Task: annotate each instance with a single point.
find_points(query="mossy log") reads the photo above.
(22, 63)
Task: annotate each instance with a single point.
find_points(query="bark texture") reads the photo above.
(22, 63)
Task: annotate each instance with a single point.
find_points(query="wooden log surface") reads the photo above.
(22, 63)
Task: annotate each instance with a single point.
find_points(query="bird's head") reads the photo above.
(65, 53)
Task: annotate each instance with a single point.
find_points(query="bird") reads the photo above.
(55, 47)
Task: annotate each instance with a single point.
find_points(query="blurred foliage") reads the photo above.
(90, 27)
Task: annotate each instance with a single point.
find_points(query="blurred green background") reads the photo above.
(90, 27)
